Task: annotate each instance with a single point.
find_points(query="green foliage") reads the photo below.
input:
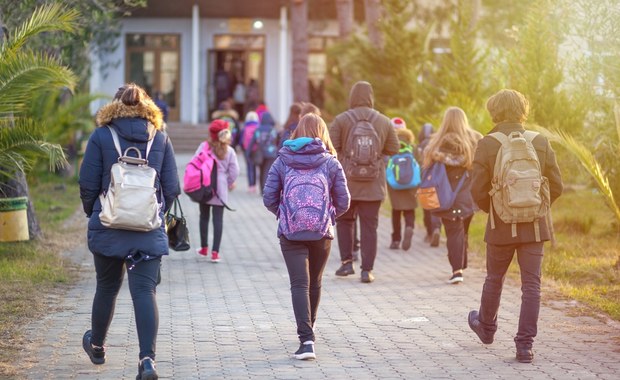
(96, 31)
(534, 68)
(23, 75)
(458, 77)
(393, 70)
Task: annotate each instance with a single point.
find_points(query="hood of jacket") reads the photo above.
(267, 120)
(361, 95)
(135, 124)
(448, 151)
(304, 153)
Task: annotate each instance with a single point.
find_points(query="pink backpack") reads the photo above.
(248, 133)
(200, 178)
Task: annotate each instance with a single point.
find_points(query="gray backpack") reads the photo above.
(362, 153)
(130, 203)
(519, 193)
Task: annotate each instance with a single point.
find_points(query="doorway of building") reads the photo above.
(235, 72)
(153, 62)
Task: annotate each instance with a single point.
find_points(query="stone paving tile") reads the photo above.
(234, 319)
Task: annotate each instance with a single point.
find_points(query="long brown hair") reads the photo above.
(454, 126)
(312, 125)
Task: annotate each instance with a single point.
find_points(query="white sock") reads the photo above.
(309, 342)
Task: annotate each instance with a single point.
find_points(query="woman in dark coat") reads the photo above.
(136, 120)
(454, 144)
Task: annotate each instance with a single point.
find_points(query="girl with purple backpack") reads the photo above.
(307, 190)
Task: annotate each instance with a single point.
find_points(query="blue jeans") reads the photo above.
(142, 283)
(499, 257)
(305, 261)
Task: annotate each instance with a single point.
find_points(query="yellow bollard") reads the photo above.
(13, 219)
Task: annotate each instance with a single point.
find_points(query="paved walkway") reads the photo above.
(234, 319)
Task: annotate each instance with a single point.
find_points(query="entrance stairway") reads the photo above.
(186, 137)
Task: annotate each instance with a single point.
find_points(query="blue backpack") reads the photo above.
(435, 192)
(403, 171)
(267, 142)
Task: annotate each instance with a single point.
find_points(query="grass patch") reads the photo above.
(584, 264)
(32, 272)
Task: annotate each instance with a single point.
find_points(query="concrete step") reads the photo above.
(186, 137)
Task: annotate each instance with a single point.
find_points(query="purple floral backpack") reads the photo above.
(305, 212)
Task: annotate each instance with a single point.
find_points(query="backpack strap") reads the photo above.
(117, 143)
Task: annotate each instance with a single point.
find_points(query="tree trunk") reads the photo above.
(18, 187)
(299, 23)
(373, 14)
(344, 10)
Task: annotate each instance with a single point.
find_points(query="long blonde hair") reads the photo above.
(312, 125)
(454, 128)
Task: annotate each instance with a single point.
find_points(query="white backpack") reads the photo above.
(131, 200)
(519, 193)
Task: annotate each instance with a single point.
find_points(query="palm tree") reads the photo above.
(299, 21)
(23, 75)
(373, 10)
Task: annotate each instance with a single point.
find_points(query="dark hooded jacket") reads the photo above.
(361, 102)
(484, 165)
(135, 127)
(307, 153)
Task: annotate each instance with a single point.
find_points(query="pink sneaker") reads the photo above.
(215, 257)
(204, 251)
(252, 189)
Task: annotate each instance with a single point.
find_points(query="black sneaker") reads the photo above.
(525, 354)
(456, 278)
(474, 324)
(367, 276)
(146, 369)
(305, 352)
(345, 269)
(96, 354)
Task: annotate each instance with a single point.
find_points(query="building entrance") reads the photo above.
(236, 72)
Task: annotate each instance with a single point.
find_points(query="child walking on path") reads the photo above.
(403, 201)
(247, 134)
(307, 190)
(431, 223)
(227, 172)
(454, 145)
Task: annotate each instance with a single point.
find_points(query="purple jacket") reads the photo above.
(307, 153)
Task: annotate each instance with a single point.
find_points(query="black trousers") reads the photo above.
(408, 215)
(368, 214)
(456, 241)
(305, 261)
(142, 283)
(218, 225)
(499, 257)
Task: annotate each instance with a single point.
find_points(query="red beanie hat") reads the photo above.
(216, 127)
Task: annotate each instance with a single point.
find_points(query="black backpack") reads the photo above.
(362, 153)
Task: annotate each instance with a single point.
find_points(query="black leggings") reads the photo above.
(142, 283)
(305, 261)
(218, 225)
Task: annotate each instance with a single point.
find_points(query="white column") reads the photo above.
(195, 103)
(285, 73)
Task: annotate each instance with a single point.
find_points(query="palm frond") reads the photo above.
(21, 144)
(23, 74)
(49, 17)
(589, 162)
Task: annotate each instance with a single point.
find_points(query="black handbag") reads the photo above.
(176, 228)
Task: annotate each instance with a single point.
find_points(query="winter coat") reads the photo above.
(227, 173)
(267, 124)
(135, 126)
(482, 175)
(307, 153)
(361, 103)
(463, 204)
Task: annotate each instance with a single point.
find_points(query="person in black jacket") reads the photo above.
(509, 110)
(137, 120)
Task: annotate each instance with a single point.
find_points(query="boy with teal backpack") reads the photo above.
(403, 178)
